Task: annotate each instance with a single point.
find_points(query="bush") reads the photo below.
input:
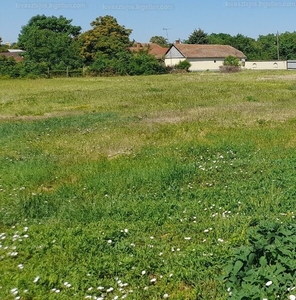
(183, 65)
(231, 61)
(267, 267)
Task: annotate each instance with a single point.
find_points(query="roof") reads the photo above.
(15, 50)
(207, 51)
(15, 55)
(154, 49)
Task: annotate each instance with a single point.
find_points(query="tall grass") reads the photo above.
(139, 187)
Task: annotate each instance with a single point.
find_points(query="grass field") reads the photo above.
(139, 187)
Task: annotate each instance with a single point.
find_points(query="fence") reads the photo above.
(66, 72)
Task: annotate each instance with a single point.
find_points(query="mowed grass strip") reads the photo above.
(139, 187)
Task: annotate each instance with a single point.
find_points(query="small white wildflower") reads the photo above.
(160, 253)
(14, 291)
(146, 288)
(171, 275)
(268, 283)
(165, 296)
(143, 272)
(109, 290)
(206, 230)
(109, 241)
(220, 240)
(133, 245)
(151, 237)
(100, 288)
(187, 238)
(115, 298)
(153, 280)
(36, 279)
(292, 297)
(57, 291)
(89, 289)
(20, 266)
(125, 230)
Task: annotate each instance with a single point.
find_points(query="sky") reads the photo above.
(172, 19)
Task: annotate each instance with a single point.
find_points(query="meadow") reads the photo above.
(140, 187)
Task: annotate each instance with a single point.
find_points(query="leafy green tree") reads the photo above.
(198, 37)
(267, 45)
(287, 45)
(220, 39)
(106, 38)
(51, 40)
(1, 40)
(159, 40)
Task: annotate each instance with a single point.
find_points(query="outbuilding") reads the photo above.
(201, 56)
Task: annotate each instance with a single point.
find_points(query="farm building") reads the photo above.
(152, 48)
(14, 53)
(201, 57)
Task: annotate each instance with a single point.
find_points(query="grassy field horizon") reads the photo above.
(140, 187)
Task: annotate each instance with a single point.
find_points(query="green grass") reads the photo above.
(139, 184)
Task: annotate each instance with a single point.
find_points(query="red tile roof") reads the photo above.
(15, 55)
(208, 51)
(152, 48)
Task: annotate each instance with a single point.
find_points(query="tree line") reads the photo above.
(54, 43)
(272, 46)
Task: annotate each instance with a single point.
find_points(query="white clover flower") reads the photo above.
(36, 279)
(220, 240)
(109, 241)
(165, 296)
(14, 291)
(268, 283)
(20, 266)
(125, 230)
(109, 290)
(143, 272)
(292, 297)
(100, 288)
(153, 280)
(187, 238)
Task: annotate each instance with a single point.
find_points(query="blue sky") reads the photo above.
(150, 17)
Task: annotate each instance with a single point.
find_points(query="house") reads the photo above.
(152, 48)
(201, 56)
(14, 53)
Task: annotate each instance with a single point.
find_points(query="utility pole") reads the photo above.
(167, 35)
(278, 45)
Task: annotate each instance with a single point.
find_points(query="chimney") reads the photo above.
(177, 42)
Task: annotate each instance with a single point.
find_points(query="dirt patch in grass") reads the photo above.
(273, 77)
(39, 117)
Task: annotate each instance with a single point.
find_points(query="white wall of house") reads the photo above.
(197, 64)
(203, 64)
(265, 65)
(170, 62)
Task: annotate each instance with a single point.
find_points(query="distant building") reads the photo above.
(152, 48)
(15, 53)
(201, 56)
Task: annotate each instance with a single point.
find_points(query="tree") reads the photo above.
(0, 40)
(267, 46)
(287, 45)
(220, 39)
(50, 40)
(106, 38)
(159, 40)
(198, 37)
